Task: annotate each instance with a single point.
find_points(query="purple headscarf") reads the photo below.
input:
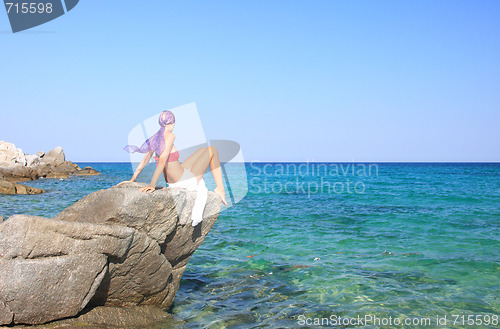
(157, 141)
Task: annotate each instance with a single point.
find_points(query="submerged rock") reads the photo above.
(115, 247)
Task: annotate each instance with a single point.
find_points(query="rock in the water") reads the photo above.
(87, 171)
(7, 187)
(27, 190)
(116, 247)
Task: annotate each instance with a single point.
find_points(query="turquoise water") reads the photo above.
(405, 241)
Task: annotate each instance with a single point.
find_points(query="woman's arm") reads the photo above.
(169, 141)
(141, 166)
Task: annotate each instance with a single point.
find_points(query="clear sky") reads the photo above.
(288, 80)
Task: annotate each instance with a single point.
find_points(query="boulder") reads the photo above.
(55, 157)
(115, 248)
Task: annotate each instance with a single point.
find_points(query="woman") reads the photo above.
(186, 175)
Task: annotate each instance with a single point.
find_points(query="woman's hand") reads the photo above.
(147, 188)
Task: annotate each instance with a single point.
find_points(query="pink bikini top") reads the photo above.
(173, 156)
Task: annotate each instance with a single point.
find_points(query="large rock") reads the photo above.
(51, 269)
(116, 247)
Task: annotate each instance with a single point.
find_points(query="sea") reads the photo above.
(331, 245)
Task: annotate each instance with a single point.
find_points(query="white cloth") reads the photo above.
(189, 182)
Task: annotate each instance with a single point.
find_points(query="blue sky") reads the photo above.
(288, 80)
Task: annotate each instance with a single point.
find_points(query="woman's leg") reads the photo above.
(210, 156)
(188, 163)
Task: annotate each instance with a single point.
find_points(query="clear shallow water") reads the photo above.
(401, 240)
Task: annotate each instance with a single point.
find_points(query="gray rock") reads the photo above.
(116, 247)
(55, 157)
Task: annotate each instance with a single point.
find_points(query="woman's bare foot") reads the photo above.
(222, 195)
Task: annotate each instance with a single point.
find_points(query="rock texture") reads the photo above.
(15, 166)
(115, 248)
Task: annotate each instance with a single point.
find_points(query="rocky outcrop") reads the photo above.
(16, 166)
(114, 248)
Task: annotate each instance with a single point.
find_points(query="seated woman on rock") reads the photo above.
(189, 173)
